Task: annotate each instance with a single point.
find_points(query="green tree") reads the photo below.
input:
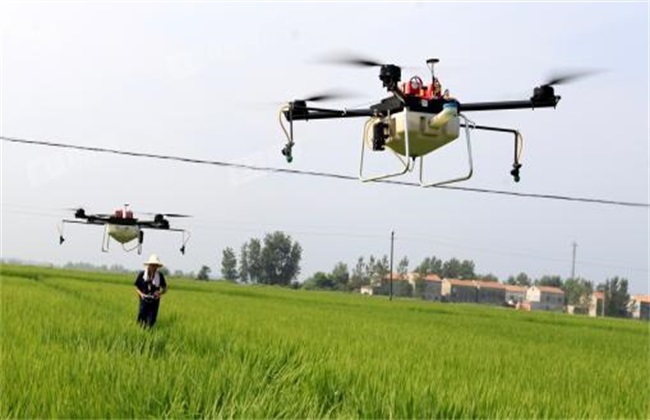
(403, 267)
(280, 259)
(616, 297)
(229, 264)
(430, 265)
(358, 277)
(423, 268)
(452, 269)
(550, 281)
(341, 276)
(370, 270)
(204, 273)
(255, 263)
(521, 279)
(577, 292)
(467, 270)
(319, 281)
(244, 267)
(488, 277)
(382, 268)
(435, 266)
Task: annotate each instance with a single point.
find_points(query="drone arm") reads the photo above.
(309, 113)
(299, 111)
(532, 103)
(87, 222)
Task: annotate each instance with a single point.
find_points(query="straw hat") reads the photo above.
(154, 260)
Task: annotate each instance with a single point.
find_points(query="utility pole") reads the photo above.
(392, 240)
(573, 265)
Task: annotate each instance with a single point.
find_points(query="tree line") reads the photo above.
(275, 260)
(374, 271)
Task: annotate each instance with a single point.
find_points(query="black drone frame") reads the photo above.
(159, 222)
(390, 75)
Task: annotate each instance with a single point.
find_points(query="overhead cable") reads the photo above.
(317, 173)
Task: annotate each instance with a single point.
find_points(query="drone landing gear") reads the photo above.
(467, 125)
(60, 229)
(186, 237)
(431, 134)
(287, 149)
(106, 239)
(379, 136)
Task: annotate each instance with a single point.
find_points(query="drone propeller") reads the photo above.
(564, 78)
(327, 96)
(356, 60)
(352, 60)
(166, 214)
(175, 215)
(322, 97)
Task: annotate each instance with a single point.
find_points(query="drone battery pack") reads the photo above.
(426, 132)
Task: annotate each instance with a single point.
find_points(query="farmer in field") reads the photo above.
(150, 284)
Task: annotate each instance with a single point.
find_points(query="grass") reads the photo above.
(71, 349)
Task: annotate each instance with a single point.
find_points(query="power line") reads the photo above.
(317, 173)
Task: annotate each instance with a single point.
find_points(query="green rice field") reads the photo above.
(71, 349)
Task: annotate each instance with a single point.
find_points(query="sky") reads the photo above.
(205, 80)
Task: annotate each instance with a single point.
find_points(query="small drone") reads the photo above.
(124, 228)
(416, 119)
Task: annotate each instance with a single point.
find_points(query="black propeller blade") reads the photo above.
(356, 60)
(350, 59)
(564, 78)
(165, 214)
(327, 96)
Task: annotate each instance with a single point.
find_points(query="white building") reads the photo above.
(545, 298)
(639, 306)
(515, 294)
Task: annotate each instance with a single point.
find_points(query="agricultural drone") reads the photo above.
(124, 227)
(416, 119)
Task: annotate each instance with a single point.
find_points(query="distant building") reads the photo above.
(515, 294)
(596, 304)
(490, 292)
(405, 285)
(454, 290)
(545, 298)
(432, 289)
(639, 307)
(401, 286)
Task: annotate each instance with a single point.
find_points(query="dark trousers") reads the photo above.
(148, 312)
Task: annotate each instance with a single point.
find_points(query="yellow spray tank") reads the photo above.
(426, 133)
